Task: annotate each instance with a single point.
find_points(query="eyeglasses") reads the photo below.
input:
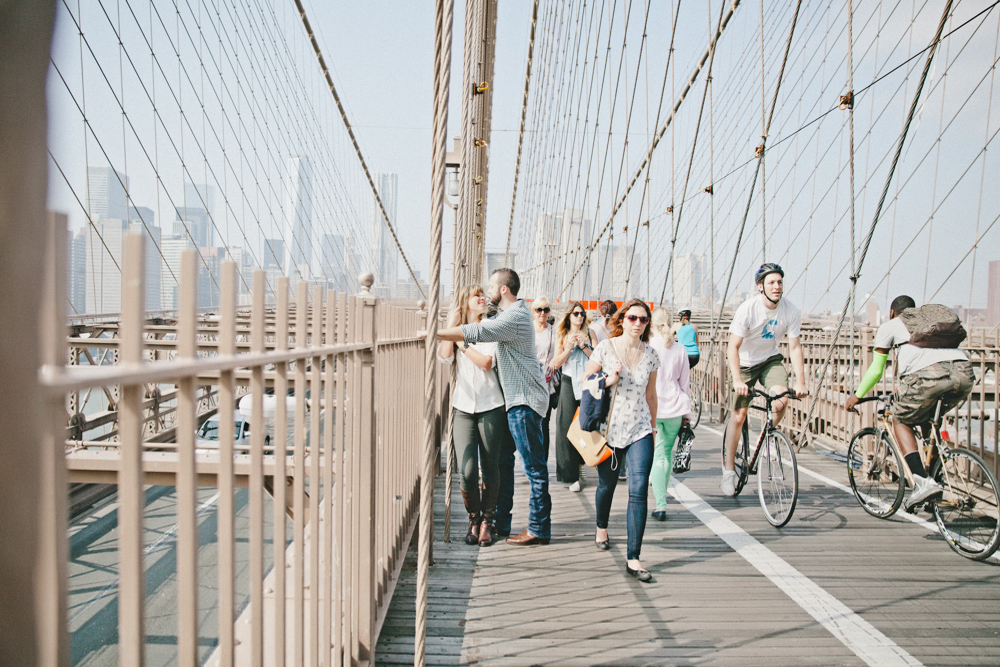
(642, 319)
(577, 314)
(542, 310)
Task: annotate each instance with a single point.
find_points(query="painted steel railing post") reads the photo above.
(326, 642)
(227, 434)
(256, 483)
(131, 498)
(365, 595)
(340, 494)
(52, 583)
(299, 467)
(315, 486)
(280, 480)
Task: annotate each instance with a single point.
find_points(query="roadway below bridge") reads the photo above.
(833, 587)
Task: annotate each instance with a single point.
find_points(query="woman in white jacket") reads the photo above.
(673, 404)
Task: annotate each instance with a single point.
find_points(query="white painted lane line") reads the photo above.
(866, 641)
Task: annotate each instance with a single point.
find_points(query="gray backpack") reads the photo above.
(933, 326)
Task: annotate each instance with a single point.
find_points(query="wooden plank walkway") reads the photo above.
(888, 592)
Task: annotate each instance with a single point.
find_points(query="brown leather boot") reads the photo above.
(487, 531)
(471, 500)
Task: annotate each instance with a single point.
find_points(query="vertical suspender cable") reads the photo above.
(520, 134)
(850, 155)
(932, 49)
(442, 73)
(763, 138)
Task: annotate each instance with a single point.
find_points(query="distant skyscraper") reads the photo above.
(609, 267)
(993, 295)
(105, 239)
(498, 260)
(106, 196)
(141, 214)
(76, 273)
(209, 274)
(171, 248)
(383, 252)
(274, 255)
(297, 232)
(575, 239)
(192, 223)
(152, 234)
(689, 280)
(555, 256)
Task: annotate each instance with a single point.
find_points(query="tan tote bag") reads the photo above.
(592, 445)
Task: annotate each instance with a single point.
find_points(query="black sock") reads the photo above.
(914, 463)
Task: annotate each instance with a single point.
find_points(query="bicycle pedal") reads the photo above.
(912, 510)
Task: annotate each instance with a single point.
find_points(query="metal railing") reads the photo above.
(347, 481)
(975, 423)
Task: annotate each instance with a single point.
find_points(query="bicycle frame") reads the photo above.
(767, 428)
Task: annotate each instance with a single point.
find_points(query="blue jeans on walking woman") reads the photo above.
(640, 460)
(526, 430)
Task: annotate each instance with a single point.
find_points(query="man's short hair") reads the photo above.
(508, 278)
(901, 303)
(608, 308)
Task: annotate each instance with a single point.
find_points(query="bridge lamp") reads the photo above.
(453, 185)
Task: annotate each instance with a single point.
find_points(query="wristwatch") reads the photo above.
(465, 345)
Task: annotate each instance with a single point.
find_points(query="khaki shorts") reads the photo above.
(918, 393)
(770, 373)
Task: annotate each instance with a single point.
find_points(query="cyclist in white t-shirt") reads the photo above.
(757, 327)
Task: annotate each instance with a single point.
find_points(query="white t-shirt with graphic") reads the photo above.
(762, 329)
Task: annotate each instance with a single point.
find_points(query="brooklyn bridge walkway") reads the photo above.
(834, 587)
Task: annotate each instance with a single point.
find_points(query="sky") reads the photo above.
(380, 54)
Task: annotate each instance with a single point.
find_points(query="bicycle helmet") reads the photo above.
(765, 269)
(684, 313)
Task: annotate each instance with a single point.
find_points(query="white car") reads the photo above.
(208, 434)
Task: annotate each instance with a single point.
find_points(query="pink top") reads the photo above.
(671, 380)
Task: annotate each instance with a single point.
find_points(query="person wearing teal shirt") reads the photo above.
(687, 336)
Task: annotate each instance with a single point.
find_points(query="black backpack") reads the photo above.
(682, 452)
(933, 326)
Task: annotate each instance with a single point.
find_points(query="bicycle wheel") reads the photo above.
(876, 472)
(967, 514)
(777, 479)
(695, 392)
(742, 454)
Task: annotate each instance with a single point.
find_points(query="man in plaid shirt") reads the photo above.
(526, 395)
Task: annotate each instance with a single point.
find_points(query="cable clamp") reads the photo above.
(708, 189)
(759, 151)
(479, 142)
(670, 209)
(480, 88)
(847, 101)
(854, 278)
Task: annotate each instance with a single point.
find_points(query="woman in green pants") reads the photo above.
(673, 405)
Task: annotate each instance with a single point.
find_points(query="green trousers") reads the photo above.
(663, 458)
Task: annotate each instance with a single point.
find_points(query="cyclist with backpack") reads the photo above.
(930, 367)
(757, 327)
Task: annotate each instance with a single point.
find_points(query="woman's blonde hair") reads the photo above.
(541, 302)
(564, 325)
(464, 295)
(661, 325)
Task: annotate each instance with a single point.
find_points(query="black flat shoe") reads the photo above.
(660, 515)
(642, 575)
(603, 546)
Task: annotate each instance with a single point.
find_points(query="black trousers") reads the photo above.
(568, 460)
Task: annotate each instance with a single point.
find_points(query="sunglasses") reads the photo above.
(542, 310)
(642, 319)
(578, 314)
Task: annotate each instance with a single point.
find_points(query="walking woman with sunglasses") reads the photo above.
(480, 428)
(574, 345)
(545, 348)
(630, 365)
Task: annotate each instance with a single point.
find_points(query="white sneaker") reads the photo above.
(728, 484)
(575, 487)
(924, 488)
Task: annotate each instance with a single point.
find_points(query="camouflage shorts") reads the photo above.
(918, 393)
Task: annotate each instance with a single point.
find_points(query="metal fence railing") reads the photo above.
(345, 478)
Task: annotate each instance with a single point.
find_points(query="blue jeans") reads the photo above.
(526, 431)
(640, 460)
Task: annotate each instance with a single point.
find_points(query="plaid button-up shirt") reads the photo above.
(520, 373)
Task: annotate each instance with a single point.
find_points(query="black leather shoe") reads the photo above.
(502, 533)
(660, 515)
(642, 575)
(603, 546)
(525, 539)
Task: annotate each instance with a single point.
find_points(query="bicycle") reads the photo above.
(695, 393)
(778, 479)
(967, 514)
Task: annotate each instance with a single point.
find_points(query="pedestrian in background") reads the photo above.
(574, 345)
(607, 310)
(673, 403)
(544, 351)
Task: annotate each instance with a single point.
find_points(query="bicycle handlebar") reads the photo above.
(769, 398)
(875, 397)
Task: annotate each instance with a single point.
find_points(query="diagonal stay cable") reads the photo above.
(354, 140)
(760, 155)
(656, 140)
(931, 50)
